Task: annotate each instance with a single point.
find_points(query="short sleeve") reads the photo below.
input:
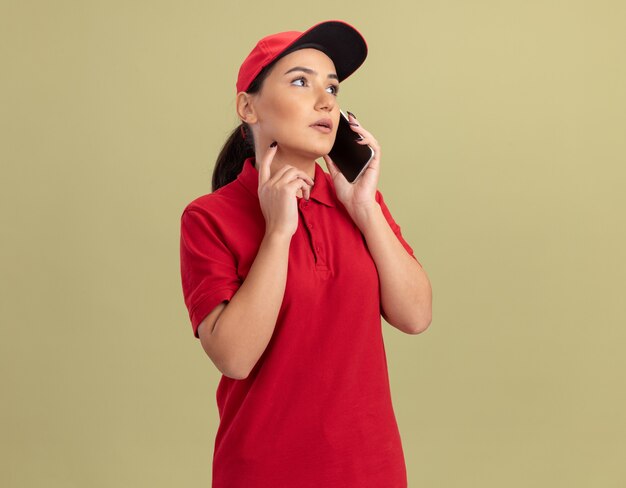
(208, 268)
(394, 226)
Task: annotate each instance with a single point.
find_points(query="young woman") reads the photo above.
(286, 270)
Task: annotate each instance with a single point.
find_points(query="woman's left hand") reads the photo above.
(358, 198)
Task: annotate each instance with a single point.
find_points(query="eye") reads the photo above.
(298, 79)
(334, 87)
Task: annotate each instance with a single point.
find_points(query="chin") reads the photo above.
(319, 154)
(314, 151)
(322, 149)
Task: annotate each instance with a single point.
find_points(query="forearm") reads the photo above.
(406, 295)
(246, 325)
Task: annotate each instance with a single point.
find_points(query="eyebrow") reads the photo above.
(311, 72)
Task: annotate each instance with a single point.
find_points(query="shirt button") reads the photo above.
(310, 226)
(317, 248)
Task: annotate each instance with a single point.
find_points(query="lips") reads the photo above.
(327, 123)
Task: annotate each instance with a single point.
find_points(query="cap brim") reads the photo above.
(339, 41)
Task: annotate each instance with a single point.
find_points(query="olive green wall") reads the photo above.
(502, 126)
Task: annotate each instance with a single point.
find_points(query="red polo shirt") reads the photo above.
(316, 409)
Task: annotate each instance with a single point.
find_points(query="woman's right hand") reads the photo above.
(277, 195)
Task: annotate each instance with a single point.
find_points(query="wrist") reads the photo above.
(364, 215)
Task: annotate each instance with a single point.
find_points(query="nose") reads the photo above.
(325, 100)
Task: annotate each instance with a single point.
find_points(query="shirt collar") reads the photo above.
(322, 190)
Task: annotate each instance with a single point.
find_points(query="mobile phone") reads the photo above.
(350, 157)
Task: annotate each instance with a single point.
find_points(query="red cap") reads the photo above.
(338, 40)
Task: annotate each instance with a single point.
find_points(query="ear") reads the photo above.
(245, 108)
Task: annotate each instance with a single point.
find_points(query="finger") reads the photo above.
(357, 128)
(331, 165)
(279, 173)
(289, 172)
(362, 132)
(298, 184)
(334, 170)
(293, 180)
(368, 139)
(266, 161)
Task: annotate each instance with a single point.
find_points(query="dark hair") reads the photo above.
(236, 149)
